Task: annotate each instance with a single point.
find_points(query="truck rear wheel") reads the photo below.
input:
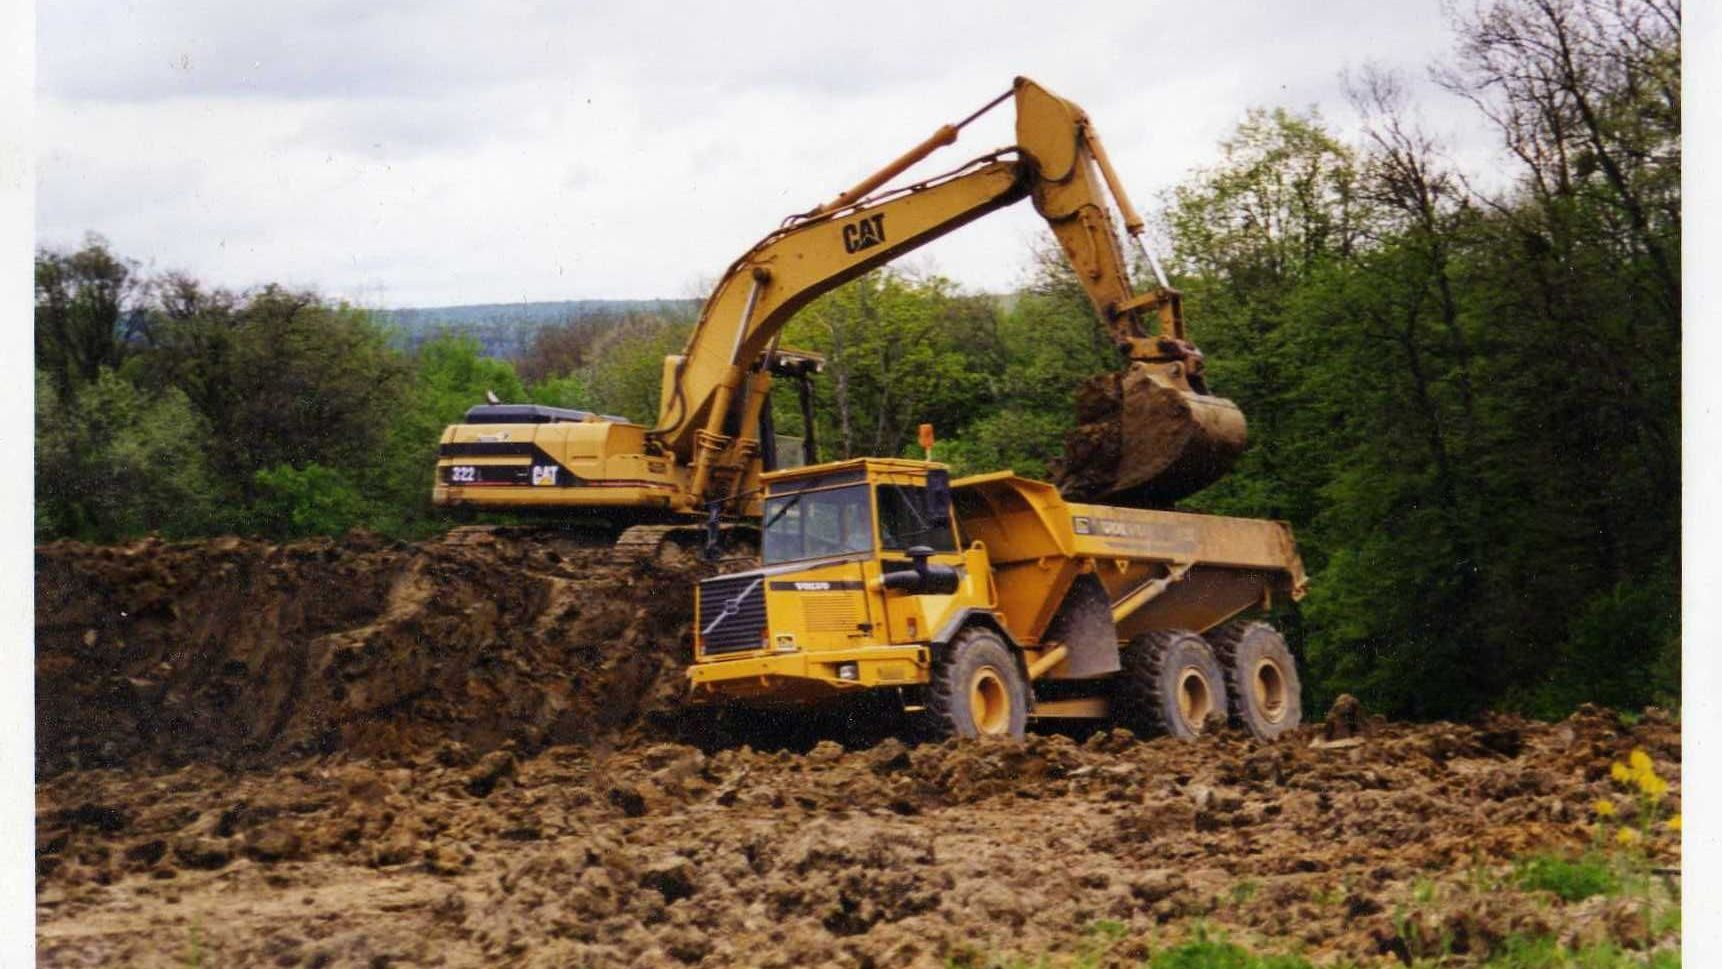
(1261, 675)
(1171, 683)
(977, 689)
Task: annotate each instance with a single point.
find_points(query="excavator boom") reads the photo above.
(1148, 434)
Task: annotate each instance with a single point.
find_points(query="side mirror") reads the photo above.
(938, 498)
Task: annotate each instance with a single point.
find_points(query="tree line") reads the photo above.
(1462, 387)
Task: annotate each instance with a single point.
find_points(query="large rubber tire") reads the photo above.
(977, 689)
(1261, 676)
(1171, 684)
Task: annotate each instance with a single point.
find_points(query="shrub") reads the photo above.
(312, 500)
(1573, 879)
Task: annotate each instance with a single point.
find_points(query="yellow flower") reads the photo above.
(1652, 786)
(1620, 773)
(1626, 836)
(1674, 823)
(1603, 808)
(1640, 761)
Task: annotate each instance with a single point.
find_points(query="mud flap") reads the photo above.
(1084, 625)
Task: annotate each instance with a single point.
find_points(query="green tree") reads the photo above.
(1582, 254)
(113, 462)
(449, 374)
(1280, 206)
(281, 377)
(85, 312)
(313, 500)
(1024, 440)
(900, 351)
(565, 391)
(626, 373)
(1049, 343)
(1450, 393)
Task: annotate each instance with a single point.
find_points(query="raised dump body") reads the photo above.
(990, 599)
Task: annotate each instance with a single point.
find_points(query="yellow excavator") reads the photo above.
(1148, 434)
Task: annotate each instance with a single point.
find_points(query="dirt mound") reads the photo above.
(371, 753)
(964, 853)
(243, 653)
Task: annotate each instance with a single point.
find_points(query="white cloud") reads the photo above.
(423, 154)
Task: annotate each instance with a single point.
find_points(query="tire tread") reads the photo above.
(1138, 683)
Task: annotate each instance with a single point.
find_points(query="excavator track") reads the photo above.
(576, 535)
(636, 543)
(639, 542)
(642, 542)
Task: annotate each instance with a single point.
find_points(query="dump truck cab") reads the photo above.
(862, 563)
(990, 599)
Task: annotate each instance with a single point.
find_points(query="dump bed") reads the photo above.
(1160, 569)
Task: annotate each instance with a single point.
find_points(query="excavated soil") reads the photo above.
(245, 654)
(367, 753)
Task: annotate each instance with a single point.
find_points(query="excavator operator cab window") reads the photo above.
(906, 520)
(817, 524)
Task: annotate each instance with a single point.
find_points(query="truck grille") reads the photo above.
(830, 612)
(732, 613)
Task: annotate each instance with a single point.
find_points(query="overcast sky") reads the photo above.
(434, 153)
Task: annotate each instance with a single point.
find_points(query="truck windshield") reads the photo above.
(815, 524)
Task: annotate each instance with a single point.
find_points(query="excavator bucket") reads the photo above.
(1142, 442)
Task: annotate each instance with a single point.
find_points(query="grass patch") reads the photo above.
(1202, 953)
(1543, 952)
(1098, 939)
(193, 955)
(1573, 879)
(1425, 890)
(1208, 954)
(1245, 890)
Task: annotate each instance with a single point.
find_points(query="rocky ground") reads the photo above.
(369, 753)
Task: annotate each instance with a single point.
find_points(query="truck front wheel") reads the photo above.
(1170, 683)
(977, 689)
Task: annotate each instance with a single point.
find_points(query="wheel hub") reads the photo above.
(989, 702)
(1195, 699)
(1269, 686)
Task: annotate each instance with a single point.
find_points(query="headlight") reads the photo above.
(848, 671)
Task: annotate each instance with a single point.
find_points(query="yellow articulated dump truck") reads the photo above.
(988, 600)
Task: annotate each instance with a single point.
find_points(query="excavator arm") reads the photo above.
(1147, 435)
(708, 399)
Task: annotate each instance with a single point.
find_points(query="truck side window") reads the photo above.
(902, 525)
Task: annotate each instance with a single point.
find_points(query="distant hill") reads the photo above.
(505, 329)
